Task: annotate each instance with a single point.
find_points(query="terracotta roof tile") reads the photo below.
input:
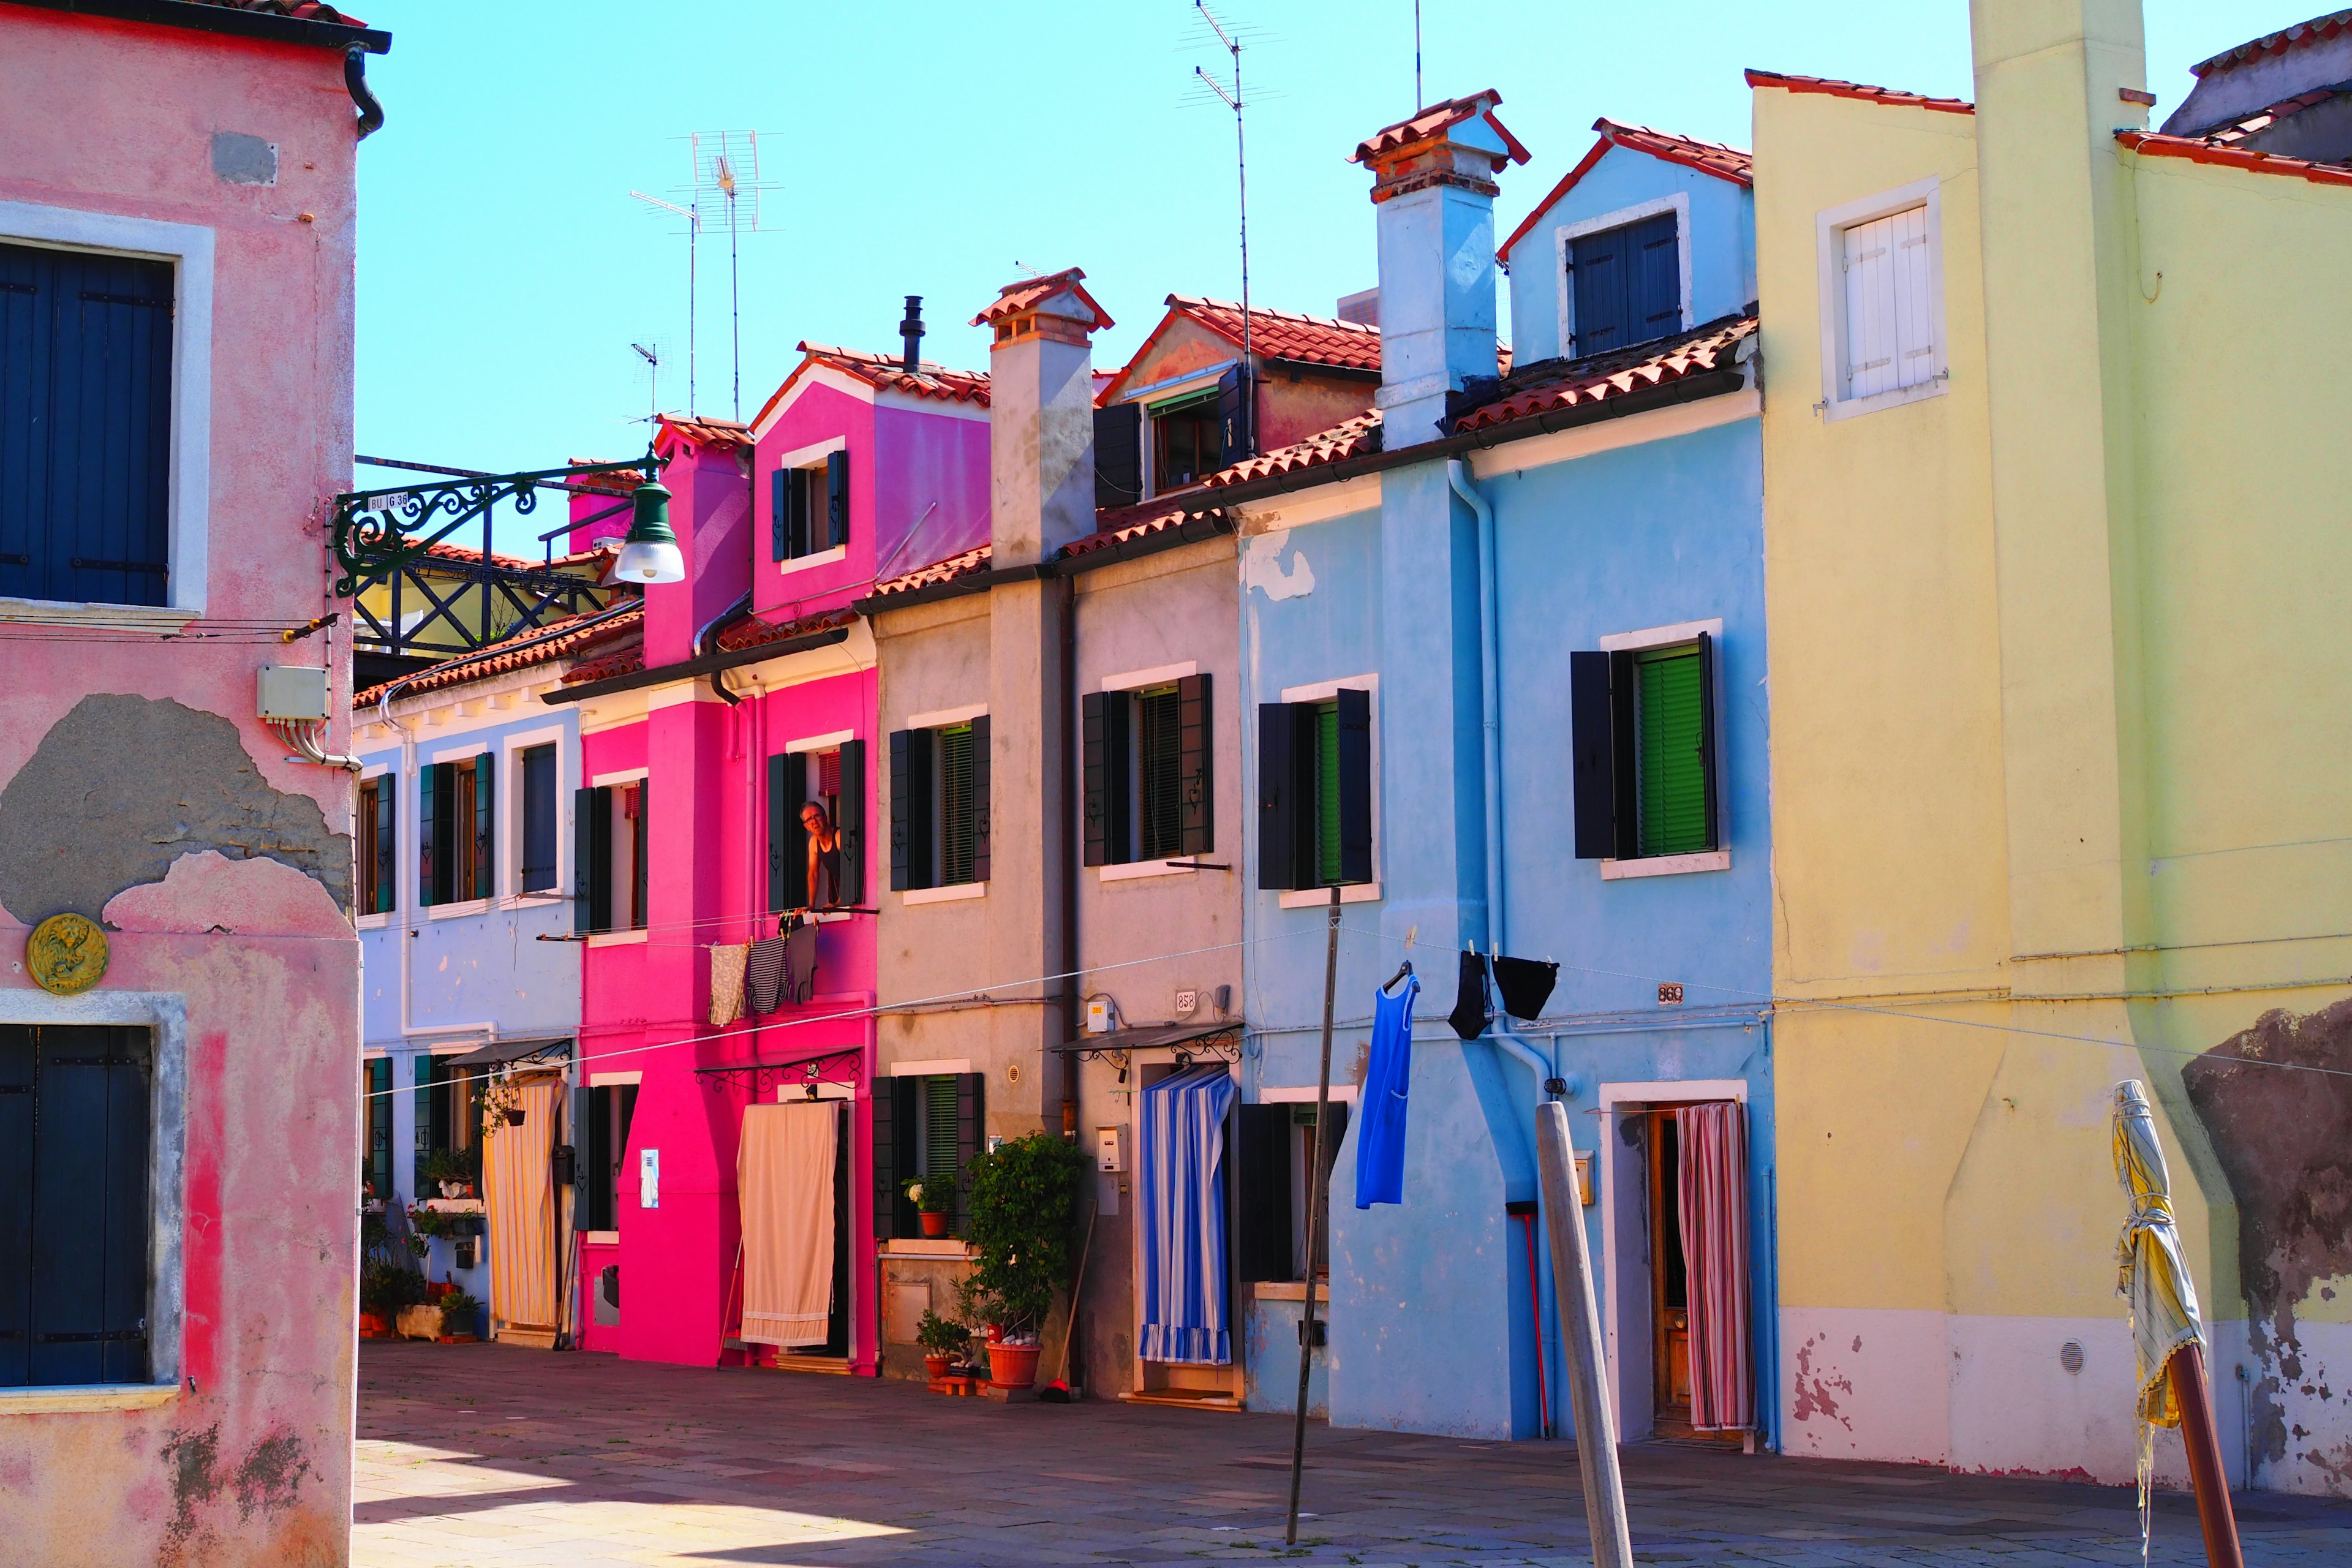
(720, 435)
(300, 10)
(1121, 524)
(1857, 90)
(2198, 149)
(753, 632)
(2235, 132)
(624, 660)
(563, 638)
(888, 372)
(1733, 163)
(969, 562)
(1563, 383)
(1433, 121)
(2303, 34)
(1287, 334)
(1016, 298)
(1349, 438)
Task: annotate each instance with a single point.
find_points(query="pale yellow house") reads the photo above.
(2057, 484)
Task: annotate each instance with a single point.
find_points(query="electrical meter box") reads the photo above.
(292, 692)
(1098, 1016)
(1110, 1148)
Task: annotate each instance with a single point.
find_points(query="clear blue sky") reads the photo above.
(936, 148)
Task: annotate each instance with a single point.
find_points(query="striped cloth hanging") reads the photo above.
(764, 976)
(1711, 1173)
(1181, 1153)
(517, 1181)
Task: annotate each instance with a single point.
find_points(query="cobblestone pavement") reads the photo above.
(471, 1457)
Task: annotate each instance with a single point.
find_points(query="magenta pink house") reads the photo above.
(742, 723)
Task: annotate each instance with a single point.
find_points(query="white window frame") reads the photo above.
(510, 856)
(1350, 892)
(1829, 242)
(1705, 860)
(189, 248)
(1677, 204)
(812, 455)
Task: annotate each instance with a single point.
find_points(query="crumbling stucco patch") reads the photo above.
(123, 786)
(209, 894)
(2285, 1140)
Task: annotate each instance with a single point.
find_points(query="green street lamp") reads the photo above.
(650, 553)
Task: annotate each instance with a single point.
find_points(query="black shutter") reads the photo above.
(972, 1132)
(1094, 727)
(906, 1105)
(386, 848)
(1278, 802)
(851, 823)
(1234, 418)
(641, 859)
(882, 1125)
(599, 869)
(1706, 754)
(979, 812)
(836, 498)
(1355, 785)
(583, 1160)
(779, 513)
(1196, 820)
(1326, 1154)
(1261, 1177)
(1118, 455)
(584, 861)
(910, 809)
(90, 1215)
(447, 850)
(486, 817)
(16, 1089)
(796, 513)
(788, 886)
(1624, 701)
(429, 837)
(1591, 770)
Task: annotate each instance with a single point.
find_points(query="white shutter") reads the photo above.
(1889, 320)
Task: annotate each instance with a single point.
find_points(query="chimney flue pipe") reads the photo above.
(910, 332)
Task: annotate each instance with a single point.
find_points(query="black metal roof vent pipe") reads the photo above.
(911, 330)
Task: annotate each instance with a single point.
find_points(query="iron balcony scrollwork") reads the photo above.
(844, 1066)
(378, 531)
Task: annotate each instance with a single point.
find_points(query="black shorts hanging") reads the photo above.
(1469, 1015)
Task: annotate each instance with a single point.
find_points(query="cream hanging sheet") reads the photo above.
(783, 1177)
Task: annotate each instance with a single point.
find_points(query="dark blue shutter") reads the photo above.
(788, 886)
(1655, 279)
(796, 513)
(850, 822)
(1355, 785)
(85, 426)
(583, 862)
(1597, 264)
(910, 809)
(641, 859)
(1118, 455)
(598, 870)
(486, 817)
(428, 835)
(539, 819)
(836, 498)
(16, 1092)
(386, 848)
(585, 1162)
(1094, 740)
(1262, 1193)
(1279, 799)
(980, 817)
(1195, 748)
(1591, 763)
(779, 516)
(88, 1318)
(1236, 420)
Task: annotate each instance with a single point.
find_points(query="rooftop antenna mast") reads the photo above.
(652, 356)
(1233, 101)
(1417, 100)
(727, 162)
(693, 216)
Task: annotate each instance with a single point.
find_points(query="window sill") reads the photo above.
(915, 1246)
(819, 558)
(1320, 897)
(1292, 1291)
(943, 895)
(601, 1238)
(616, 939)
(1836, 408)
(110, 617)
(1665, 865)
(374, 922)
(456, 911)
(90, 1396)
(1135, 868)
(452, 1205)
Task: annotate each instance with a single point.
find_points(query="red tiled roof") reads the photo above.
(1121, 524)
(2303, 34)
(1349, 438)
(2235, 132)
(955, 566)
(753, 632)
(1733, 163)
(2198, 149)
(617, 483)
(1857, 90)
(889, 372)
(1437, 118)
(300, 10)
(444, 550)
(563, 638)
(718, 435)
(626, 660)
(1016, 298)
(1286, 335)
(1563, 383)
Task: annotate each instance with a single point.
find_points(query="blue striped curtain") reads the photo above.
(1182, 1153)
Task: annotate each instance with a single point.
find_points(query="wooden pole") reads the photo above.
(1320, 1193)
(1579, 1312)
(2204, 1445)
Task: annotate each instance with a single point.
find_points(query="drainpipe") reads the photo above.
(710, 629)
(1545, 1068)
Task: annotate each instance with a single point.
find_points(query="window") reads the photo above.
(1881, 302)
(1315, 791)
(1643, 747)
(1147, 758)
(376, 1157)
(610, 836)
(538, 831)
(73, 1203)
(808, 507)
(599, 1121)
(379, 878)
(924, 1125)
(1188, 442)
(454, 823)
(938, 805)
(448, 1126)
(1118, 456)
(1275, 1184)
(1627, 285)
(85, 426)
(833, 782)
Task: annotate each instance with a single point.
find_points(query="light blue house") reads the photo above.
(464, 848)
(1506, 650)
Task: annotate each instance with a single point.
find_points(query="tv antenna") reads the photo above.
(1233, 101)
(652, 356)
(726, 169)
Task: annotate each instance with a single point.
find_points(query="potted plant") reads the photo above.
(451, 1171)
(944, 1343)
(934, 1198)
(386, 1288)
(1020, 1219)
(459, 1313)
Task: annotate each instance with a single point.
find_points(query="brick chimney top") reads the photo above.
(1457, 142)
(1056, 306)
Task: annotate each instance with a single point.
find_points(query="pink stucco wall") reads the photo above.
(247, 1459)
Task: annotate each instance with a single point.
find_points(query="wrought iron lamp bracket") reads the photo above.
(377, 532)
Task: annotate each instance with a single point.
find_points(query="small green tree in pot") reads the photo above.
(1020, 1217)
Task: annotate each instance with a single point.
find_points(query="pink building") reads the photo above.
(749, 699)
(179, 1007)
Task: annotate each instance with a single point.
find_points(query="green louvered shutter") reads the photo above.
(1672, 743)
(1327, 794)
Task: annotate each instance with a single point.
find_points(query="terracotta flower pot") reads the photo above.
(1012, 1366)
(934, 1224)
(372, 1326)
(935, 1367)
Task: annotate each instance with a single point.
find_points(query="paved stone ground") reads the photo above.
(471, 1457)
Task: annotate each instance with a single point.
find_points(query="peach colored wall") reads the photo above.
(1288, 410)
(248, 1459)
